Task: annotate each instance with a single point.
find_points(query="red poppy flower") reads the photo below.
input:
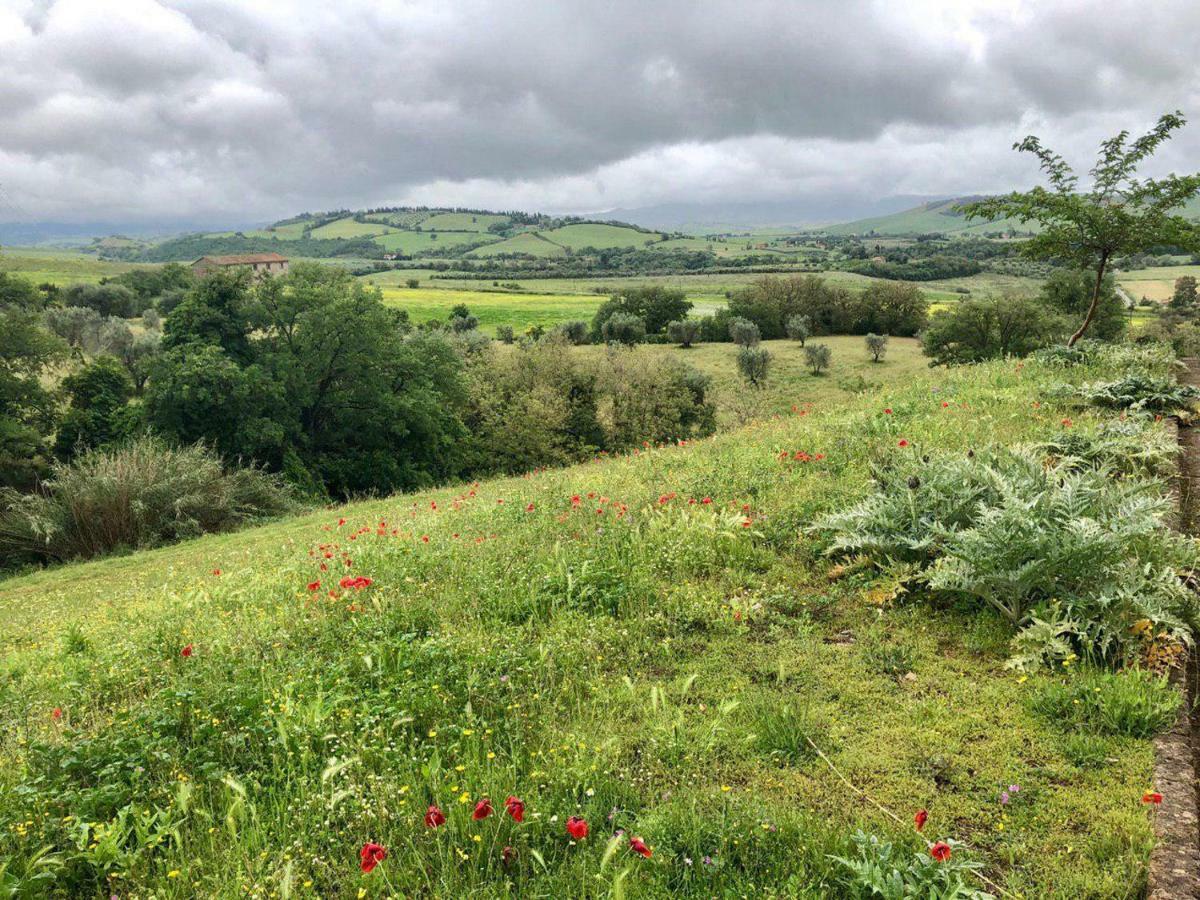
(637, 845)
(314, 585)
(529, 508)
(577, 828)
(945, 405)
(887, 411)
(940, 851)
(508, 855)
(341, 522)
(706, 501)
(483, 809)
(1152, 797)
(186, 651)
(56, 715)
(434, 817)
(216, 571)
(920, 819)
(902, 443)
(515, 808)
(372, 855)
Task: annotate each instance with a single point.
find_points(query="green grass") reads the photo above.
(656, 667)
(790, 383)
(599, 236)
(462, 221)
(413, 241)
(527, 242)
(521, 311)
(61, 267)
(348, 228)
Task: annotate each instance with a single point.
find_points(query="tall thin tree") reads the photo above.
(1120, 214)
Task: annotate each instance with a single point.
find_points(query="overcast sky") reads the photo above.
(209, 110)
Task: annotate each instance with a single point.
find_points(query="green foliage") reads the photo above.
(655, 305)
(98, 393)
(504, 333)
(877, 346)
(1134, 703)
(623, 328)
(140, 495)
(1121, 214)
(575, 331)
(1130, 446)
(978, 329)
(818, 357)
(879, 870)
(1140, 391)
(649, 400)
(28, 411)
(744, 333)
(1070, 553)
(754, 363)
(798, 328)
(685, 332)
(884, 307)
(106, 299)
(1068, 292)
(1184, 295)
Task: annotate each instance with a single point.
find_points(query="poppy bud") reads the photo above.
(913, 482)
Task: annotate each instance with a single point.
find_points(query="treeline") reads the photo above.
(312, 378)
(930, 268)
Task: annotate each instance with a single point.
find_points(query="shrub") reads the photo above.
(979, 329)
(818, 357)
(754, 363)
(685, 332)
(152, 319)
(656, 306)
(1075, 557)
(622, 328)
(876, 346)
(798, 328)
(412, 283)
(505, 333)
(651, 399)
(140, 495)
(714, 329)
(460, 324)
(1133, 703)
(576, 332)
(1138, 390)
(744, 333)
(106, 299)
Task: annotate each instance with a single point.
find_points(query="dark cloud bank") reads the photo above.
(208, 111)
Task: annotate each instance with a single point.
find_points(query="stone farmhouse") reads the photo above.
(262, 264)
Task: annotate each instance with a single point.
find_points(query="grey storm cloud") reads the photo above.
(208, 108)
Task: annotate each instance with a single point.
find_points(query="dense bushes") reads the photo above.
(140, 495)
(978, 329)
(656, 306)
(883, 308)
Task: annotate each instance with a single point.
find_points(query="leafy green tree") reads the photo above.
(685, 332)
(976, 329)
(1184, 296)
(1120, 215)
(798, 328)
(754, 364)
(877, 346)
(744, 333)
(28, 411)
(623, 328)
(218, 312)
(655, 305)
(818, 357)
(106, 299)
(98, 413)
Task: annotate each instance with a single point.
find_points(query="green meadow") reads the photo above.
(655, 644)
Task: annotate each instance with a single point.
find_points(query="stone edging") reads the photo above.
(1175, 861)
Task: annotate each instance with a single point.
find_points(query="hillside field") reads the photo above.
(653, 643)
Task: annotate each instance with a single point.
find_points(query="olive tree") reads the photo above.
(744, 333)
(754, 363)
(877, 346)
(798, 328)
(685, 332)
(1119, 215)
(818, 357)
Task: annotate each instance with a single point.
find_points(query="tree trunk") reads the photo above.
(1091, 313)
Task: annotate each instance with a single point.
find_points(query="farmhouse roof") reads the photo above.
(244, 259)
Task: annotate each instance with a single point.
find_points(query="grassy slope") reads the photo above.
(526, 242)
(59, 266)
(598, 236)
(462, 221)
(928, 218)
(641, 663)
